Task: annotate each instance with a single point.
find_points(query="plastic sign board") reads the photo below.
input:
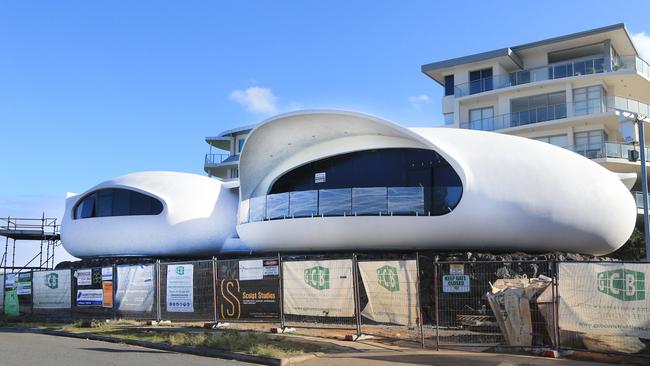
(391, 289)
(318, 288)
(51, 289)
(107, 274)
(250, 299)
(180, 288)
(10, 281)
(84, 277)
(24, 284)
(90, 297)
(320, 177)
(134, 288)
(455, 283)
(251, 269)
(107, 289)
(605, 298)
(456, 269)
(11, 304)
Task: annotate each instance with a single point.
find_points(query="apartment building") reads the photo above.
(225, 164)
(573, 91)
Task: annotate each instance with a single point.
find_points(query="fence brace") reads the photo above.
(355, 285)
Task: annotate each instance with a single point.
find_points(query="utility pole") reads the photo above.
(644, 186)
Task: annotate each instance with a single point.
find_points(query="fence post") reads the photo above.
(31, 295)
(281, 293)
(214, 288)
(436, 299)
(158, 312)
(355, 286)
(556, 304)
(417, 294)
(114, 281)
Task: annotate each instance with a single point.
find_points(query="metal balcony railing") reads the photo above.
(606, 150)
(215, 159)
(558, 111)
(638, 197)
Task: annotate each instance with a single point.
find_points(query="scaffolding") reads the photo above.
(45, 230)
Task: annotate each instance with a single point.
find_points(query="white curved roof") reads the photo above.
(518, 194)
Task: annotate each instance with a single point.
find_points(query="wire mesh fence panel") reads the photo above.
(92, 290)
(605, 306)
(388, 298)
(248, 290)
(136, 292)
(319, 291)
(494, 303)
(24, 292)
(187, 291)
(52, 296)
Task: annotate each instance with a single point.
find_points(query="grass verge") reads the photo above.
(253, 343)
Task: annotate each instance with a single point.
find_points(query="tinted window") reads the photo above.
(364, 171)
(449, 85)
(116, 202)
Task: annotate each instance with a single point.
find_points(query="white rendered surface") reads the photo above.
(518, 194)
(198, 215)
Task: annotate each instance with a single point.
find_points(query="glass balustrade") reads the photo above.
(347, 202)
(614, 150)
(548, 72)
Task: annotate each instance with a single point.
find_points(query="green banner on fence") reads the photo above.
(11, 304)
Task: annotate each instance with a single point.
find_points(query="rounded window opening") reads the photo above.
(116, 202)
(399, 181)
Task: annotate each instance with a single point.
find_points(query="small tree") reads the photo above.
(633, 249)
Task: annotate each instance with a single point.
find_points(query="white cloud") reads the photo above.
(255, 99)
(642, 43)
(418, 100)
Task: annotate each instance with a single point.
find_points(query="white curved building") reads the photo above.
(150, 214)
(327, 180)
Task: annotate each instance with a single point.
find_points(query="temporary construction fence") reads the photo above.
(601, 306)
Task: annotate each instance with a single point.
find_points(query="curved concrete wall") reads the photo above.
(198, 215)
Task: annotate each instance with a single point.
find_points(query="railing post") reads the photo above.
(355, 286)
(418, 301)
(281, 292)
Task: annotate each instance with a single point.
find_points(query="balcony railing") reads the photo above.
(548, 72)
(215, 159)
(607, 150)
(558, 111)
(638, 197)
(369, 201)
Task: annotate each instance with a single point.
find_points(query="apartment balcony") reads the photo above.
(614, 150)
(219, 165)
(554, 71)
(556, 112)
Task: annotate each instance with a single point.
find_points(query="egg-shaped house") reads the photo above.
(342, 181)
(150, 214)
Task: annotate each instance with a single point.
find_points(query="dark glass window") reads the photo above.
(480, 81)
(116, 202)
(358, 173)
(449, 85)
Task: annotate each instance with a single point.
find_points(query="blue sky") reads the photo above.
(94, 89)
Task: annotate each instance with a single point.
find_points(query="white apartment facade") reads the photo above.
(571, 91)
(221, 164)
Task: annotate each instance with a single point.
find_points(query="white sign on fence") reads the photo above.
(107, 274)
(51, 289)
(392, 291)
(180, 288)
(605, 298)
(455, 283)
(10, 281)
(90, 297)
(318, 288)
(135, 288)
(251, 270)
(84, 277)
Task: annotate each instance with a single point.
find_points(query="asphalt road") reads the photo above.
(22, 349)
